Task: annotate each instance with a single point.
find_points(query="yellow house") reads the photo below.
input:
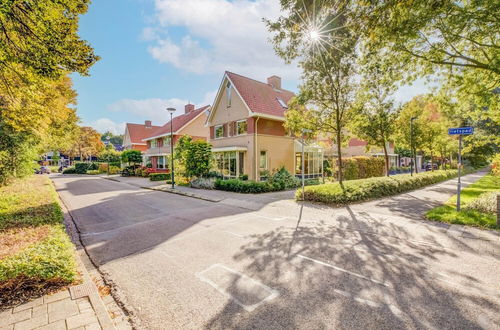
(247, 132)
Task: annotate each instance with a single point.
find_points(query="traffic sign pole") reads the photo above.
(459, 185)
(460, 131)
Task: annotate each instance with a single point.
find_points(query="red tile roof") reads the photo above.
(261, 98)
(354, 142)
(138, 132)
(177, 123)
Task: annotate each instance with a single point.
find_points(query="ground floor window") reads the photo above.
(230, 163)
(313, 163)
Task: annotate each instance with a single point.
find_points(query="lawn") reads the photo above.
(36, 254)
(447, 213)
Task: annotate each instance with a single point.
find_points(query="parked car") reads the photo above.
(435, 166)
(43, 170)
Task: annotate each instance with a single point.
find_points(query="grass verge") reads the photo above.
(37, 254)
(447, 213)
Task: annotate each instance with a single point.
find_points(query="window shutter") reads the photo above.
(212, 132)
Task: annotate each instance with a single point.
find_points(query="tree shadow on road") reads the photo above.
(331, 278)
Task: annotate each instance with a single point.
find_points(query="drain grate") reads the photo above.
(82, 290)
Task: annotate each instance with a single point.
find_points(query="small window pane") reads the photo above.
(219, 131)
(263, 160)
(242, 127)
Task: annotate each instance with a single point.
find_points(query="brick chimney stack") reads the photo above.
(148, 124)
(274, 81)
(188, 108)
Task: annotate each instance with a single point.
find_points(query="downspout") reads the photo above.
(256, 160)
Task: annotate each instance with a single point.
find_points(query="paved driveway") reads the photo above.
(268, 263)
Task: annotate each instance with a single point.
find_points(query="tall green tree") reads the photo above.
(41, 36)
(376, 115)
(317, 34)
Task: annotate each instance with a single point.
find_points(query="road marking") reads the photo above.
(394, 310)
(344, 270)
(272, 293)
(234, 234)
(271, 218)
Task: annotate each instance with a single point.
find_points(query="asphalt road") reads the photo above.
(246, 263)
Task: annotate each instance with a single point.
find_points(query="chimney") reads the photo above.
(188, 108)
(274, 81)
(147, 123)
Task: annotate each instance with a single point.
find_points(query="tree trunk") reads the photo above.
(339, 151)
(386, 156)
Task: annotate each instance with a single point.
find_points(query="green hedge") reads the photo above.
(364, 189)
(361, 167)
(246, 187)
(93, 172)
(69, 170)
(159, 176)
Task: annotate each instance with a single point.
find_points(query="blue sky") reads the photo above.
(159, 53)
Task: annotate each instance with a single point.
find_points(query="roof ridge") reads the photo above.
(260, 82)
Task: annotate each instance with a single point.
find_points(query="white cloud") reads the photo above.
(221, 35)
(103, 125)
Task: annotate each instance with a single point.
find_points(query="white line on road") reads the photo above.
(344, 270)
(272, 293)
(394, 310)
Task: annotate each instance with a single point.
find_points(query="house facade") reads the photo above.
(135, 133)
(158, 141)
(247, 132)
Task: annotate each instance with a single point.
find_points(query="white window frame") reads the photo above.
(238, 127)
(266, 160)
(282, 103)
(215, 131)
(154, 143)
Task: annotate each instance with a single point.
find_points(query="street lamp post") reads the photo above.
(413, 162)
(107, 158)
(171, 111)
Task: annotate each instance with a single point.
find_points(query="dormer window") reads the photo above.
(228, 93)
(282, 103)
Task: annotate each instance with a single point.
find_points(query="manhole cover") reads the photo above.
(82, 290)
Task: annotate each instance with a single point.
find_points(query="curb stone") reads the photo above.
(110, 304)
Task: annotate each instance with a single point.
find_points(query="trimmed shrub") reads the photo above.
(103, 168)
(361, 167)
(283, 180)
(364, 189)
(485, 203)
(159, 176)
(246, 187)
(93, 167)
(81, 168)
(69, 170)
(114, 170)
(93, 172)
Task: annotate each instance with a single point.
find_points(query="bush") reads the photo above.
(246, 187)
(93, 172)
(159, 176)
(361, 167)
(364, 189)
(81, 168)
(485, 203)
(215, 174)
(69, 170)
(131, 156)
(114, 170)
(243, 177)
(283, 180)
(93, 167)
(103, 168)
(128, 171)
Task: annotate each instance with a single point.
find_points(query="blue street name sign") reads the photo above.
(461, 131)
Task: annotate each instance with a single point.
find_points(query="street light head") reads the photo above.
(171, 110)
